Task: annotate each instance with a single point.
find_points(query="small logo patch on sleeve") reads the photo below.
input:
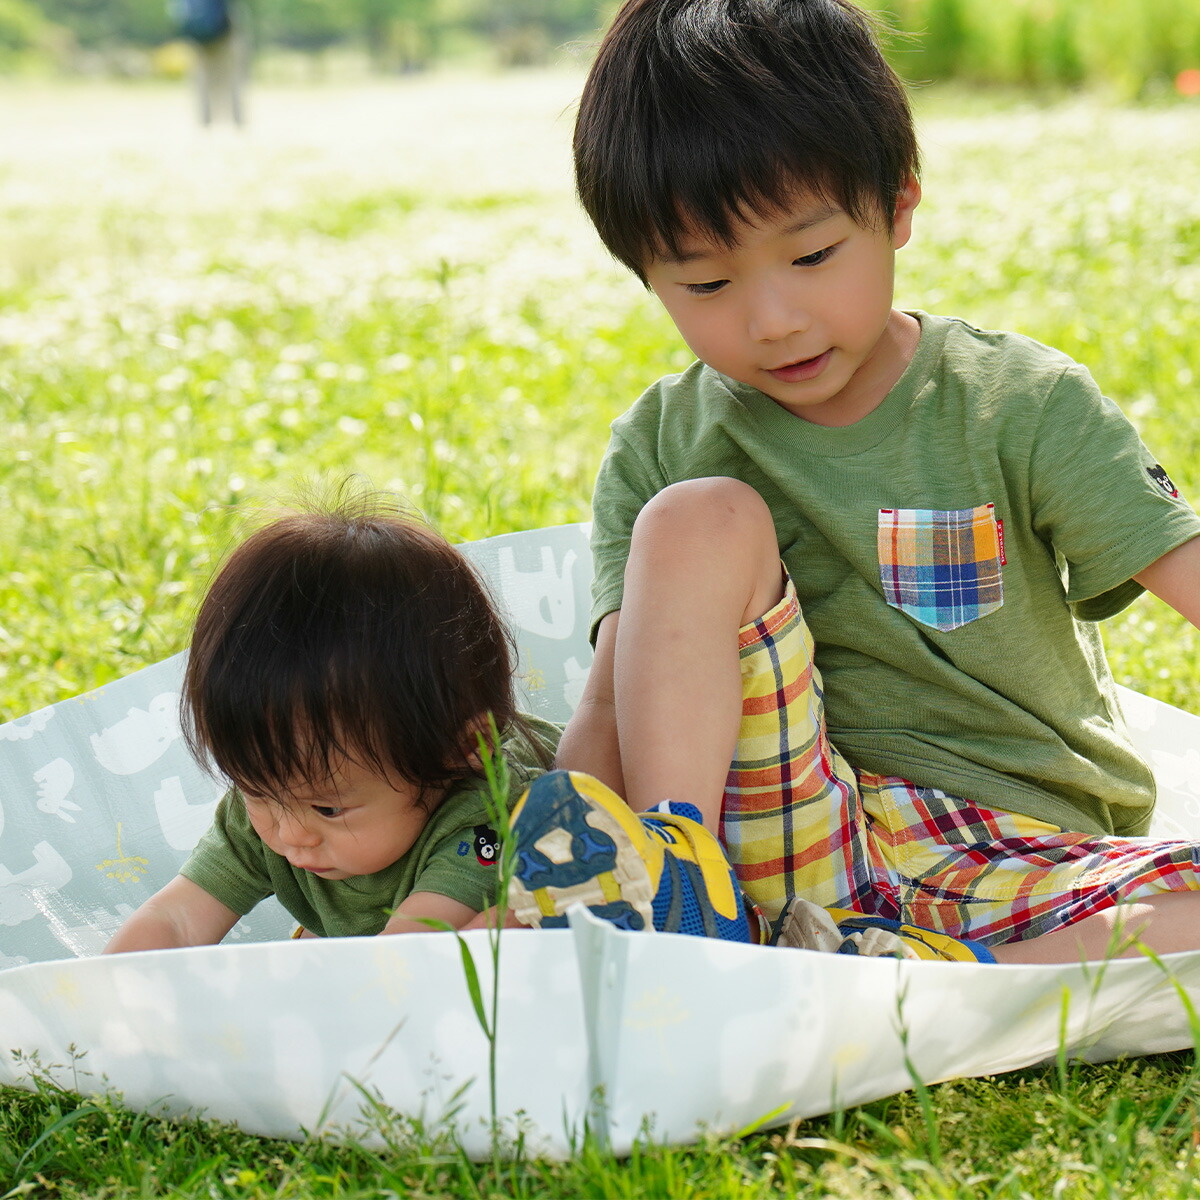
(1163, 480)
(487, 845)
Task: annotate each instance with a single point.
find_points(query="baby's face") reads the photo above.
(799, 306)
(357, 824)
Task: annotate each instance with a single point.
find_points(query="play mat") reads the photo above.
(627, 1033)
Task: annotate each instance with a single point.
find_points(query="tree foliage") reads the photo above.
(1132, 47)
(390, 29)
(104, 22)
(21, 26)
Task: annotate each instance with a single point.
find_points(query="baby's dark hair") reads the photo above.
(698, 114)
(349, 630)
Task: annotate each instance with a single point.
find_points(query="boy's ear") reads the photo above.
(906, 203)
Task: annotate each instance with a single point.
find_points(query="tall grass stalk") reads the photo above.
(495, 767)
(487, 1010)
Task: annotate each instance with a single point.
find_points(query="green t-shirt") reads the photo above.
(1014, 707)
(232, 864)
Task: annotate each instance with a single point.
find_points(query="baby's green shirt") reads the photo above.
(450, 857)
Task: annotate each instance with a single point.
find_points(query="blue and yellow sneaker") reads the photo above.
(579, 842)
(806, 926)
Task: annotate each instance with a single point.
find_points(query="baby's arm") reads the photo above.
(589, 743)
(1175, 578)
(412, 913)
(180, 914)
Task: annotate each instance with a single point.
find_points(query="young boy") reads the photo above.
(954, 509)
(342, 664)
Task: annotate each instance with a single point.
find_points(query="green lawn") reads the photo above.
(394, 280)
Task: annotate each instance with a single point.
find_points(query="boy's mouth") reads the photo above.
(801, 369)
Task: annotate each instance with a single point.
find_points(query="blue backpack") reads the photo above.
(200, 20)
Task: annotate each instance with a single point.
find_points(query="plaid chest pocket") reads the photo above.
(942, 568)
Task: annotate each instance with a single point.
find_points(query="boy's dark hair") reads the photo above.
(699, 113)
(352, 630)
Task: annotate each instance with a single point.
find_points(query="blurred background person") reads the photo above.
(217, 33)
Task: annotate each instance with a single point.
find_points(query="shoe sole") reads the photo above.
(805, 926)
(610, 877)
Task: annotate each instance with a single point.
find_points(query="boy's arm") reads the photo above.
(180, 914)
(1175, 579)
(589, 743)
(412, 912)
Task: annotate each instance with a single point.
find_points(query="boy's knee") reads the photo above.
(721, 510)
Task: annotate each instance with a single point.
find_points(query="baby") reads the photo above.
(343, 665)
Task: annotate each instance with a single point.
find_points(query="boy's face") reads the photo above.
(358, 824)
(800, 307)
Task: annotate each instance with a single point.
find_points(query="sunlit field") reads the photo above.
(393, 280)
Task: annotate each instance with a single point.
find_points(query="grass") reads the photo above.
(394, 280)
(1116, 1130)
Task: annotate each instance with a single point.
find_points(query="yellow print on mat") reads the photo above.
(124, 868)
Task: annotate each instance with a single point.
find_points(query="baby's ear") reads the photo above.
(476, 728)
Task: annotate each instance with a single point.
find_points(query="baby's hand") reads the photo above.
(180, 914)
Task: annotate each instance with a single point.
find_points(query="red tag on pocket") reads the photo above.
(1000, 537)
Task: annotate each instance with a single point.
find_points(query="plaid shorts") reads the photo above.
(798, 820)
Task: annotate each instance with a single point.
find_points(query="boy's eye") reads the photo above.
(815, 259)
(706, 289)
(327, 810)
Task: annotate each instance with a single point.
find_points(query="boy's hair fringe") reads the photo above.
(698, 114)
(346, 629)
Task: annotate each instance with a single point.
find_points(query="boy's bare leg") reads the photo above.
(589, 742)
(703, 562)
(1165, 923)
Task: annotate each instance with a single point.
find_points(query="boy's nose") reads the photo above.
(775, 315)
